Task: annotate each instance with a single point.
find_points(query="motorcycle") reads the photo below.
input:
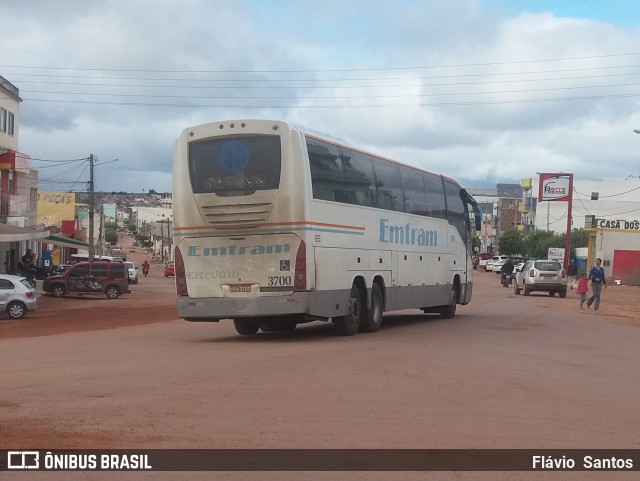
(28, 272)
(506, 278)
(145, 271)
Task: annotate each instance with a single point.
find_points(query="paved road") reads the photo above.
(506, 372)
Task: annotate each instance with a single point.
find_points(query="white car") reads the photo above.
(17, 297)
(496, 263)
(133, 272)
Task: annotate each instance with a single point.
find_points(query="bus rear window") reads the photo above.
(235, 165)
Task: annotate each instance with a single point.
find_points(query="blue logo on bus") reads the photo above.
(233, 157)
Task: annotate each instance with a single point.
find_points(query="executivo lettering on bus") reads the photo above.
(407, 234)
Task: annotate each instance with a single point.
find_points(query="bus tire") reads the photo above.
(246, 327)
(348, 325)
(449, 311)
(372, 321)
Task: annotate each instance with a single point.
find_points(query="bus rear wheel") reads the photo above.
(372, 321)
(448, 311)
(348, 325)
(246, 327)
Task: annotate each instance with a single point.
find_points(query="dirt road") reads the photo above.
(508, 372)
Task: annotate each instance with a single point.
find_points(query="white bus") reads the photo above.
(276, 225)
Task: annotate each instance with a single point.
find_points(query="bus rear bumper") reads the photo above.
(214, 309)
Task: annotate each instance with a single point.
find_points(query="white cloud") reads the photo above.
(443, 85)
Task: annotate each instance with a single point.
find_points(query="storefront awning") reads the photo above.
(65, 242)
(12, 233)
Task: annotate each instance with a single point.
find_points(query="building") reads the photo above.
(507, 207)
(18, 186)
(610, 209)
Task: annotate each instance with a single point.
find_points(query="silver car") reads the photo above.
(17, 297)
(541, 275)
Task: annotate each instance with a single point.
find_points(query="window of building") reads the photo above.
(10, 124)
(3, 120)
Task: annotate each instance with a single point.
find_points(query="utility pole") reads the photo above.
(92, 201)
(100, 232)
(162, 241)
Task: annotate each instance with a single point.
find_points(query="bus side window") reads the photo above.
(415, 197)
(436, 204)
(389, 192)
(359, 178)
(327, 177)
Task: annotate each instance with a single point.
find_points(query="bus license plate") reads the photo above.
(240, 288)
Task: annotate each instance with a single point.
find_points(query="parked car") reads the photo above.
(133, 272)
(169, 269)
(496, 263)
(98, 277)
(541, 275)
(17, 297)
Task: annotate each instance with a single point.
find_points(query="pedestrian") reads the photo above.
(572, 272)
(596, 276)
(27, 259)
(583, 288)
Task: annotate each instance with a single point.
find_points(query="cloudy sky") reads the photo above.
(487, 91)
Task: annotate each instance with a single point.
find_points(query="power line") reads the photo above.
(608, 196)
(330, 70)
(341, 106)
(360, 79)
(341, 97)
(58, 160)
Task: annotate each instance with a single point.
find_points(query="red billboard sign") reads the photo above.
(555, 187)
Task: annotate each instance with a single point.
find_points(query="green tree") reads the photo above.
(511, 243)
(476, 243)
(110, 232)
(537, 243)
(579, 238)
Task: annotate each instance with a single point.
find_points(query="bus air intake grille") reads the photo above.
(236, 214)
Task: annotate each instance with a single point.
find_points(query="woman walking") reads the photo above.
(596, 275)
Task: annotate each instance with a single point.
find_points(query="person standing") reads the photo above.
(583, 289)
(596, 276)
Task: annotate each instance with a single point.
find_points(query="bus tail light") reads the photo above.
(300, 282)
(181, 278)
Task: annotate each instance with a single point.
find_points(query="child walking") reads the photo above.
(583, 289)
